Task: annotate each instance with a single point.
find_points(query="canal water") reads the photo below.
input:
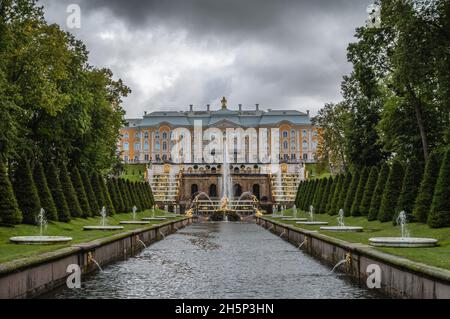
(217, 260)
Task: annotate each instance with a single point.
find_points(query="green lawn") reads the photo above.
(74, 229)
(134, 172)
(436, 256)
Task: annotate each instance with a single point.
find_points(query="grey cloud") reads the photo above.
(282, 53)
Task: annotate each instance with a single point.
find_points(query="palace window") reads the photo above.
(126, 147)
(137, 135)
(305, 157)
(136, 159)
(164, 135)
(285, 134)
(146, 157)
(305, 145)
(137, 146)
(164, 157)
(146, 135)
(164, 146)
(285, 145)
(305, 133)
(157, 146)
(292, 133)
(126, 159)
(156, 134)
(146, 146)
(125, 135)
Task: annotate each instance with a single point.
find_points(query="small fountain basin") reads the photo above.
(402, 242)
(40, 240)
(294, 219)
(343, 229)
(153, 218)
(312, 223)
(103, 228)
(134, 222)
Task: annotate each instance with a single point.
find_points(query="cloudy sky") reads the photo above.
(279, 54)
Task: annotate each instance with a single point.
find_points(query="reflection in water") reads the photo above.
(217, 260)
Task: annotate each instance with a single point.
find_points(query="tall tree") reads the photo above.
(351, 193)
(69, 192)
(410, 189)
(93, 204)
(368, 191)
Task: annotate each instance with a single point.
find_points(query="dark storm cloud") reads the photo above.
(285, 54)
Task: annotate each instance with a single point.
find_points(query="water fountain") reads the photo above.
(134, 221)
(405, 240)
(103, 223)
(294, 215)
(311, 221)
(153, 218)
(342, 227)
(41, 239)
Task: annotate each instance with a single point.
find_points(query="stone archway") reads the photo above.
(237, 190)
(213, 190)
(194, 190)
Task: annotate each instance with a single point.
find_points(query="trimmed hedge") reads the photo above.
(325, 196)
(45, 196)
(9, 209)
(343, 193)
(368, 191)
(391, 192)
(355, 208)
(78, 185)
(351, 193)
(69, 192)
(375, 202)
(26, 193)
(410, 189)
(58, 196)
(424, 199)
(93, 203)
(440, 208)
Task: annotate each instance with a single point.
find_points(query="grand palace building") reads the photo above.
(150, 140)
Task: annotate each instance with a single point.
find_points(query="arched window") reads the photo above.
(157, 134)
(213, 190)
(137, 146)
(126, 135)
(292, 133)
(285, 145)
(164, 135)
(157, 146)
(146, 145)
(236, 170)
(285, 134)
(305, 145)
(126, 159)
(164, 157)
(137, 135)
(305, 133)
(126, 147)
(164, 146)
(136, 159)
(237, 190)
(256, 191)
(146, 135)
(194, 190)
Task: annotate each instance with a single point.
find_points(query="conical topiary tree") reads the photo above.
(311, 193)
(368, 191)
(350, 197)
(78, 185)
(113, 194)
(108, 201)
(424, 198)
(331, 195)
(69, 192)
(133, 196)
(10, 213)
(26, 193)
(410, 188)
(58, 196)
(98, 191)
(391, 192)
(355, 209)
(150, 194)
(126, 197)
(344, 191)
(440, 208)
(44, 193)
(319, 193)
(119, 195)
(139, 193)
(375, 201)
(321, 209)
(333, 210)
(93, 204)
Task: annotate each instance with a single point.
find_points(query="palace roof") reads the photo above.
(222, 118)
